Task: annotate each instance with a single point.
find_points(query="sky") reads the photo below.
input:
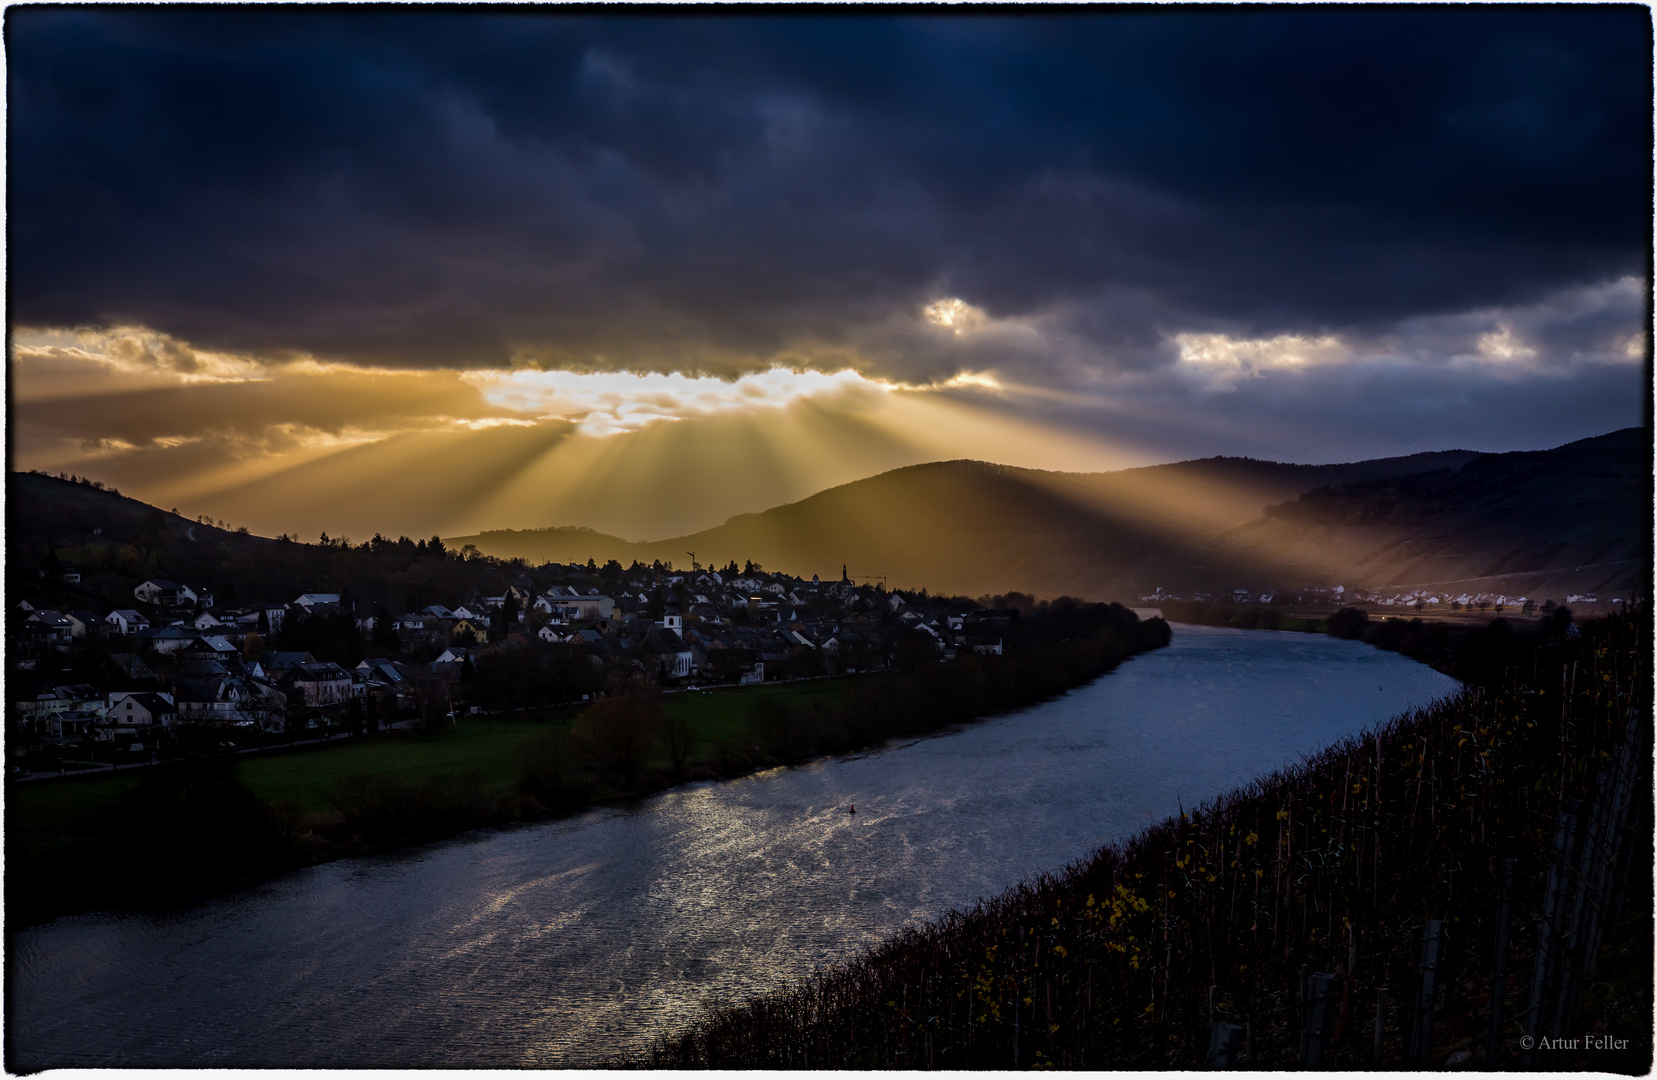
(428, 271)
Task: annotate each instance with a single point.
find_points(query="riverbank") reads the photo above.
(1125, 960)
(175, 834)
(1466, 647)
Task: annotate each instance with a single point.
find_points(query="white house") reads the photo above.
(127, 621)
(312, 599)
(324, 683)
(171, 639)
(129, 709)
(162, 591)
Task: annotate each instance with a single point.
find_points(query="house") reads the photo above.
(127, 621)
(456, 654)
(228, 699)
(171, 639)
(324, 683)
(71, 575)
(668, 652)
(386, 671)
(467, 614)
(130, 668)
(213, 645)
(162, 592)
(479, 629)
(52, 626)
(38, 715)
(310, 600)
(280, 662)
(207, 620)
(273, 613)
(140, 708)
(594, 607)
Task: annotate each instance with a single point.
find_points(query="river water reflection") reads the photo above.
(562, 943)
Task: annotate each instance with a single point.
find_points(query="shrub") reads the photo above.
(618, 734)
(549, 773)
(190, 825)
(1348, 622)
(388, 811)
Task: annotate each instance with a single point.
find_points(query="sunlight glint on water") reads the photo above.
(575, 940)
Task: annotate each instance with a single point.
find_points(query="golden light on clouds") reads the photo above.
(609, 402)
(954, 314)
(302, 446)
(1221, 361)
(1503, 344)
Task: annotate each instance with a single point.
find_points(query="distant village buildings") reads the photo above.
(173, 662)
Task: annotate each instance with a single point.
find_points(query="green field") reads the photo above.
(61, 818)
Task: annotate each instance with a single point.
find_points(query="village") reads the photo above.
(1443, 602)
(175, 673)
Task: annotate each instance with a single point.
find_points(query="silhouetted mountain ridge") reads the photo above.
(974, 527)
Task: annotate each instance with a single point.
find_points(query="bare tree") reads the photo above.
(679, 741)
(619, 732)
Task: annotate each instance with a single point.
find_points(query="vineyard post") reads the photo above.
(1314, 1036)
(1607, 837)
(1547, 933)
(1431, 945)
(1498, 969)
(1224, 1040)
(1585, 901)
(1380, 1023)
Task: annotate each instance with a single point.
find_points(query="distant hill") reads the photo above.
(45, 510)
(113, 540)
(971, 527)
(1545, 523)
(1576, 519)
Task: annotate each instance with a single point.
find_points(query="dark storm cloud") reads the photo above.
(443, 188)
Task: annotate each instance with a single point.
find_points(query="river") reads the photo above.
(567, 942)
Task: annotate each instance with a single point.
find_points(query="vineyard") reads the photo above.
(1469, 880)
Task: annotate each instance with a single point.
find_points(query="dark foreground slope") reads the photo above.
(1123, 961)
